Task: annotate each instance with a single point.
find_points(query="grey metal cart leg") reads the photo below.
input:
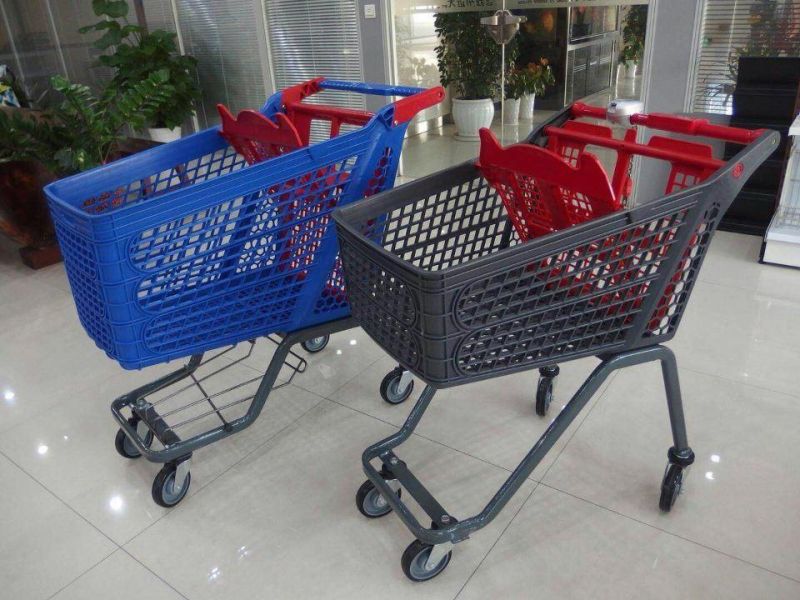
(148, 421)
(430, 553)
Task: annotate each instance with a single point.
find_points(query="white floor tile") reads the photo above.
(562, 547)
(284, 524)
(43, 544)
(70, 449)
(120, 577)
(741, 335)
(732, 260)
(494, 420)
(740, 495)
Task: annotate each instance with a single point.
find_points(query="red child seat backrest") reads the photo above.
(257, 137)
(541, 190)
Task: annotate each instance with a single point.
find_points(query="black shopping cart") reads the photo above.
(438, 275)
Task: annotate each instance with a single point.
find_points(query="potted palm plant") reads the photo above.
(82, 131)
(469, 62)
(135, 55)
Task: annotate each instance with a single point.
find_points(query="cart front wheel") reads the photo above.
(165, 492)
(544, 395)
(670, 487)
(316, 344)
(370, 501)
(391, 390)
(416, 564)
(125, 447)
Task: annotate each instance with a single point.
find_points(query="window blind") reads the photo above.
(227, 39)
(733, 28)
(316, 38)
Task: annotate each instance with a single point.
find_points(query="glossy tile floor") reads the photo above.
(271, 512)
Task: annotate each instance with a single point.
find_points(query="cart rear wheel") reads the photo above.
(544, 395)
(316, 344)
(670, 486)
(370, 501)
(125, 447)
(164, 490)
(390, 387)
(415, 562)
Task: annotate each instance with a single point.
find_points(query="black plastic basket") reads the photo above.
(437, 276)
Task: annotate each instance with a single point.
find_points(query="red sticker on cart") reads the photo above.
(738, 170)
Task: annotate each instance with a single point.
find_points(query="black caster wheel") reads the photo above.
(125, 447)
(370, 501)
(316, 344)
(544, 395)
(415, 562)
(670, 487)
(164, 492)
(390, 387)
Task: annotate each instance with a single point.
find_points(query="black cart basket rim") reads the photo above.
(350, 218)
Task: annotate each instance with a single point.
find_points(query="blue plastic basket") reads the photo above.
(184, 247)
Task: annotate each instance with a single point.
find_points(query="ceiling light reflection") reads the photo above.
(42, 449)
(710, 475)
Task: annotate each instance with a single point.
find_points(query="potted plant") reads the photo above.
(80, 132)
(469, 61)
(136, 54)
(633, 31)
(515, 90)
(535, 79)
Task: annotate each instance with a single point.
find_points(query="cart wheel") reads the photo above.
(670, 486)
(125, 447)
(370, 501)
(390, 387)
(316, 344)
(415, 562)
(544, 395)
(164, 492)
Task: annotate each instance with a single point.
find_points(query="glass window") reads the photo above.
(742, 28)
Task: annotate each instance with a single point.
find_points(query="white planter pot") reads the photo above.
(164, 135)
(630, 70)
(511, 113)
(526, 107)
(471, 115)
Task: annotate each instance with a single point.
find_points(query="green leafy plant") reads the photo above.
(633, 31)
(83, 130)
(535, 77)
(135, 54)
(467, 57)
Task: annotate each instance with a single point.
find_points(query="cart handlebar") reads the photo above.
(675, 124)
(414, 99)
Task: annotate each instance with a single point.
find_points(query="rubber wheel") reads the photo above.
(125, 447)
(389, 386)
(316, 344)
(414, 559)
(544, 395)
(164, 493)
(370, 501)
(670, 487)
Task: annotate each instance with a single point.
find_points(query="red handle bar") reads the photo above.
(674, 124)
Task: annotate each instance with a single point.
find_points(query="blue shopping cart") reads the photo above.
(216, 239)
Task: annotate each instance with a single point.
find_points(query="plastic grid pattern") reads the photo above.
(455, 296)
(155, 280)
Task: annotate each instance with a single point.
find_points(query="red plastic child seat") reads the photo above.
(257, 137)
(541, 191)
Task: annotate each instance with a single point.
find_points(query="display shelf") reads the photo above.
(782, 241)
